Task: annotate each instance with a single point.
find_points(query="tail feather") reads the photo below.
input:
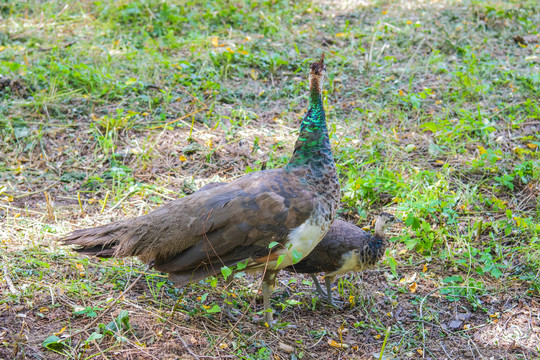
(102, 241)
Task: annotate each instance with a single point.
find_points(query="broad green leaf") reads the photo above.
(280, 260)
(455, 278)
(296, 256)
(241, 265)
(273, 244)
(226, 272)
(93, 336)
(53, 343)
(213, 309)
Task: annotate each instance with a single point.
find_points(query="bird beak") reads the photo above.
(399, 221)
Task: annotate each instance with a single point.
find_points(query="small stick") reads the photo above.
(195, 355)
(80, 203)
(8, 279)
(107, 310)
(49, 206)
(105, 202)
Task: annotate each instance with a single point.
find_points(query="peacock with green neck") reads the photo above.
(312, 147)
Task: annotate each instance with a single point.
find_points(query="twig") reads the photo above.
(49, 206)
(411, 59)
(195, 355)
(185, 116)
(12, 208)
(62, 47)
(35, 192)
(106, 311)
(8, 279)
(105, 201)
(80, 203)
(120, 201)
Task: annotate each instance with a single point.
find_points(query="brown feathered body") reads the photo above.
(345, 247)
(193, 237)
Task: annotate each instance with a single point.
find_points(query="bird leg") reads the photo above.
(318, 285)
(328, 280)
(268, 284)
(229, 309)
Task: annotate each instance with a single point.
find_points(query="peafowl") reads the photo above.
(345, 248)
(191, 238)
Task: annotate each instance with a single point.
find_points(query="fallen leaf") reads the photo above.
(425, 268)
(532, 146)
(337, 345)
(413, 287)
(61, 331)
(286, 347)
(182, 158)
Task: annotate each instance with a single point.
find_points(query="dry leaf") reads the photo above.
(286, 347)
(482, 150)
(182, 158)
(532, 146)
(61, 331)
(413, 287)
(229, 50)
(425, 268)
(340, 34)
(337, 345)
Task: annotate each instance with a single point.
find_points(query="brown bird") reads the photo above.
(345, 247)
(266, 220)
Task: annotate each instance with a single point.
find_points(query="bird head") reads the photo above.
(384, 220)
(317, 71)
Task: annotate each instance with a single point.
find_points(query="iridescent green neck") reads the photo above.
(313, 143)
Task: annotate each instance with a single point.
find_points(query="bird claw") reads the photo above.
(338, 304)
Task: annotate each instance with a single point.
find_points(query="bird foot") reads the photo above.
(338, 304)
(231, 313)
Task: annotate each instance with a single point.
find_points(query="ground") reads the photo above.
(109, 109)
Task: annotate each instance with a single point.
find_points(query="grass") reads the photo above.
(109, 109)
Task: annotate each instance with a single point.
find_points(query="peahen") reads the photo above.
(345, 248)
(194, 237)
